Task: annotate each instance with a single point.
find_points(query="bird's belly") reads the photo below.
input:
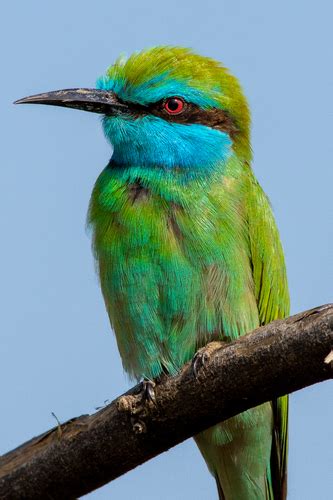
(165, 300)
(153, 303)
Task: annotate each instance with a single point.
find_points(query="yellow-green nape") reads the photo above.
(158, 72)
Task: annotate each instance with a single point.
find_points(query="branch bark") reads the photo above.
(89, 451)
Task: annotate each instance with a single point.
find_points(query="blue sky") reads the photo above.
(57, 353)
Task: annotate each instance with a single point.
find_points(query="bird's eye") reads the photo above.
(174, 105)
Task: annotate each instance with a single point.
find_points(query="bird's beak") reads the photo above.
(94, 100)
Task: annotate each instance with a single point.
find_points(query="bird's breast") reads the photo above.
(173, 274)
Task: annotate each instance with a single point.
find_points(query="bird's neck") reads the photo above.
(173, 186)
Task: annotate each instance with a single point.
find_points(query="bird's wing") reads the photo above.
(272, 296)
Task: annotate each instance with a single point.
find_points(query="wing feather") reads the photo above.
(272, 296)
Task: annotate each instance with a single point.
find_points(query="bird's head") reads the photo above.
(166, 107)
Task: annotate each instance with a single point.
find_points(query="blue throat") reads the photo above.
(153, 142)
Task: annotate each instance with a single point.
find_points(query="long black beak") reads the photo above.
(94, 100)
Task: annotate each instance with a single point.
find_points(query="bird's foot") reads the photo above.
(139, 403)
(148, 391)
(202, 356)
(199, 361)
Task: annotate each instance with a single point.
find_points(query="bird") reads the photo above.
(185, 241)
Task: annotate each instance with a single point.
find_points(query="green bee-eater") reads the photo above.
(185, 240)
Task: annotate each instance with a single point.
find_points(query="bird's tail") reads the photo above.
(219, 488)
(238, 453)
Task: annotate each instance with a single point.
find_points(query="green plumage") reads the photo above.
(185, 240)
(218, 274)
(175, 262)
(186, 259)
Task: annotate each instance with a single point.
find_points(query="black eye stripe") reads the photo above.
(215, 117)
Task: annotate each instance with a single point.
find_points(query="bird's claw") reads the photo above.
(199, 361)
(148, 391)
(202, 356)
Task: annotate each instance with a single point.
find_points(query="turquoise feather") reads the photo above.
(188, 250)
(185, 241)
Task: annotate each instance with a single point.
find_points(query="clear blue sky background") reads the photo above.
(56, 351)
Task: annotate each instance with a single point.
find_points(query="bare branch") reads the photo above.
(89, 451)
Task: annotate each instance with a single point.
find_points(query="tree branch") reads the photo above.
(89, 451)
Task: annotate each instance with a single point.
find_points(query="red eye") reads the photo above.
(174, 105)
